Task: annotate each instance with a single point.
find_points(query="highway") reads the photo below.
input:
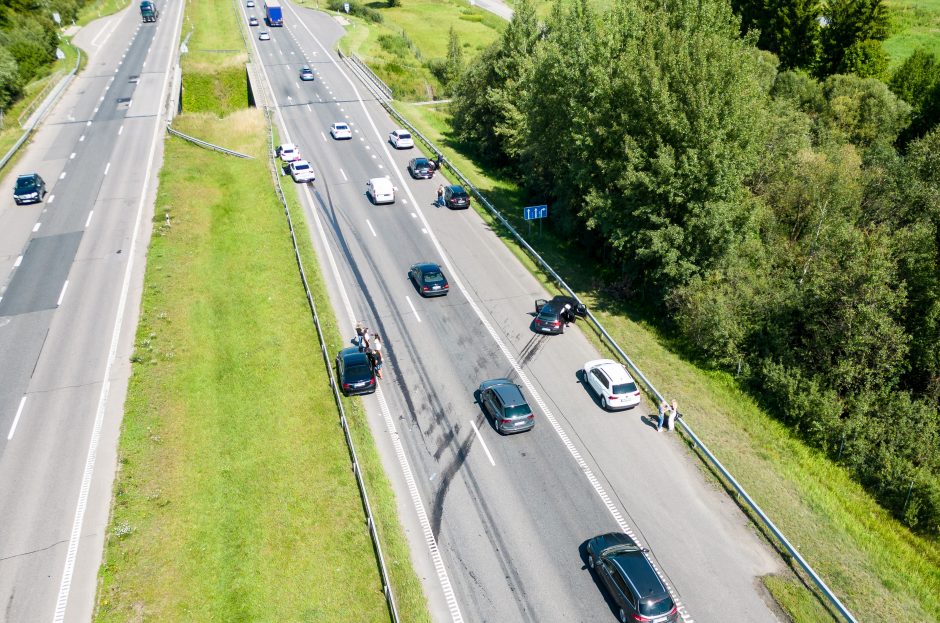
(71, 270)
(497, 525)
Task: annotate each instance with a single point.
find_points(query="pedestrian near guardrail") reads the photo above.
(673, 414)
(663, 407)
(440, 195)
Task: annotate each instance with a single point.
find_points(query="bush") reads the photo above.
(357, 9)
(10, 84)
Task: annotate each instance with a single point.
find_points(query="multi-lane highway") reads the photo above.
(70, 277)
(497, 524)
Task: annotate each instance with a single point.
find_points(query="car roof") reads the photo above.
(636, 568)
(421, 160)
(340, 124)
(297, 163)
(614, 371)
(508, 391)
(286, 146)
(379, 181)
(305, 68)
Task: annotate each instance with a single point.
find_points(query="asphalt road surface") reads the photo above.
(497, 524)
(70, 278)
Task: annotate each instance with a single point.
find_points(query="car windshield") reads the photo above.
(25, 183)
(421, 162)
(459, 192)
(432, 276)
(518, 411)
(654, 607)
(620, 548)
(625, 388)
(342, 126)
(358, 372)
(301, 166)
(404, 135)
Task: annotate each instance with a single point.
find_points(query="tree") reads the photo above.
(850, 22)
(866, 59)
(454, 64)
(917, 82)
(788, 28)
(10, 85)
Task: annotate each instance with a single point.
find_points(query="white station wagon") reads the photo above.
(612, 384)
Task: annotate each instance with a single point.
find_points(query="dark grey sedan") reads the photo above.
(354, 372)
(429, 279)
(628, 576)
(421, 168)
(503, 401)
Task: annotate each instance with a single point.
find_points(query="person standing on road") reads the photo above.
(440, 195)
(360, 331)
(438, 162)
(663, 407)
(377, 354)
(673, 414)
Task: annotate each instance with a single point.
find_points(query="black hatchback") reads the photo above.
(30, 188)
(638, 592)
(455, 197)
(421, 168)
(550, 316)
(355, 373)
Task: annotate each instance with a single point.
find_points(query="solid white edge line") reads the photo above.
(436, 559)
(483, 443)
(65, 286)
(575, 453)
(82, 502)
(16, 419)
(415, 311)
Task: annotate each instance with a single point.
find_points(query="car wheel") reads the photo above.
(591, 561)
(603, 403)
(623, 616)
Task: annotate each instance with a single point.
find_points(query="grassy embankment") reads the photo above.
(235, 500)
(99, 8)
(33, 94)
(916, 25)
(877, 567)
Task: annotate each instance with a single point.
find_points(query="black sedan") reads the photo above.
(636, 589)
(429, 279)
(421, 168)
(456, 197)
(354, 372)
(552, 316)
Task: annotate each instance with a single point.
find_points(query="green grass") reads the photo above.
(879, 569)
(99, 8)
(916, 25)
(399, 48)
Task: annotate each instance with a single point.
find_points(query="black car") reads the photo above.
(30, 188)
(354, 372)
(421, 168)
(429, 279)
(306, 73)
(634, 586)
(503, 401)
(550, 316)
(455, 197)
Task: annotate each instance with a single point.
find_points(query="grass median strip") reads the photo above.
(235, 499)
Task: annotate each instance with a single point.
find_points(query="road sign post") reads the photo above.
(535, 213)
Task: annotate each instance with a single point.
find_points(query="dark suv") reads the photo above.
(503, 401)
(637, 590)
(30, 188)
(455, 197)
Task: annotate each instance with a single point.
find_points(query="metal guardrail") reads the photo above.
(327, 363)
(382, 91)
(43, 110)
(40, 97)
(684, 426)
(206, 144)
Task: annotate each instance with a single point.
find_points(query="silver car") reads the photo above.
(503, 401)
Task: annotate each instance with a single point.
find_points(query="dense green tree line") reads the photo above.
(28, 40)
(766, 212)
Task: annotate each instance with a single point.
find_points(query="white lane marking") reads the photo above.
(72, 552)
(381, 166)
(344, 175)
(62, 175)
(88, 220)
(324, 137)
(404, 201)
(308, 108)
(65, 286)
(413, 215)
(88, 123)
(585, 469)
(107, 167)
(72, 156)
(485, 449)
(120, 130)
(371, 229)
(411, 305)
(18, 261)
(36, 227)
(81, 139)
(424, 230)
(50, 199)
(16, 420)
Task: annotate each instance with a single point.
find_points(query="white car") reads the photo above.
(340, 130)
(250, 4)
(612, 384)
(301, 171)
(264, 35)
(401, 139)
(288, 152)
(380, 190)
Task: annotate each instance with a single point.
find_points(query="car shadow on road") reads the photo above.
(582, 551)
(579, 374)
(478, 399)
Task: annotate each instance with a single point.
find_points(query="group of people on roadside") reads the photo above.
(371, 344)
(667, 415)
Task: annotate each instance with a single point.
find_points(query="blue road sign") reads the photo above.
(534, 212)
